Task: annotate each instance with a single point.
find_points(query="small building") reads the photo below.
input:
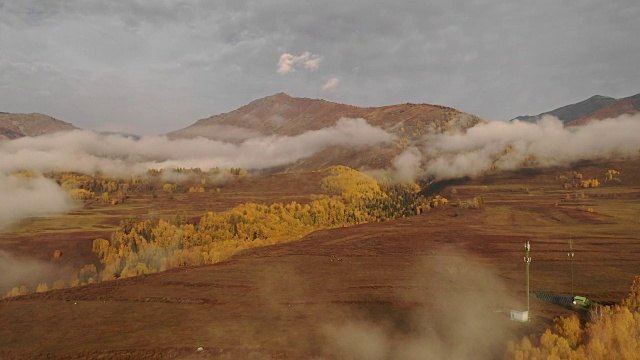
(522, 316)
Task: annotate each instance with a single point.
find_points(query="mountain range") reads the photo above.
(597, 107)
(284, 115)
(281, 114)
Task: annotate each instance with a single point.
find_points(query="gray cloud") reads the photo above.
(152, 67)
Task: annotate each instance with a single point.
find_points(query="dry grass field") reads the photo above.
(74, 232)
(440, 284)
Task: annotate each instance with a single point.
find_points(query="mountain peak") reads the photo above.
(597, 97)
(281, 96)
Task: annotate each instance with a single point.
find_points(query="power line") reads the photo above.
(527, 261)
(571, 255)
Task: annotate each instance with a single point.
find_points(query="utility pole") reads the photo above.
(571, 254)
(527, 261)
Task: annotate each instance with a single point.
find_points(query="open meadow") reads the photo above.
(442, 282)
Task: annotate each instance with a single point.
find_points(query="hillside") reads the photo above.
(283, 115)
(627, 106)
(572, 112)
(13, 126)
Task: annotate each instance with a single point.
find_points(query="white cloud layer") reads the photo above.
(543, 144)
(90, 152)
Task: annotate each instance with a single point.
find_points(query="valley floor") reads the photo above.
(440, 283)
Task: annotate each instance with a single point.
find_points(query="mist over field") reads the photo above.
(510, 146)
(21, 198)
(27, 197)
(19, 270)
(456, 328)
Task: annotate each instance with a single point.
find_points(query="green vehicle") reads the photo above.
(581, 301)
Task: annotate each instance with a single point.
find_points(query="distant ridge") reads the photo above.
(626, 106)
(571, 112)
(14, 126)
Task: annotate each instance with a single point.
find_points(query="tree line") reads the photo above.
(146, 246)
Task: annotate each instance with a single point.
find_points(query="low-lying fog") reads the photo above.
(439, 156)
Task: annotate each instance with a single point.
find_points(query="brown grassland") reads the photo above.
(351, 292)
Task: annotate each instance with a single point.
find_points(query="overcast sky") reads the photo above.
(149, 67)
